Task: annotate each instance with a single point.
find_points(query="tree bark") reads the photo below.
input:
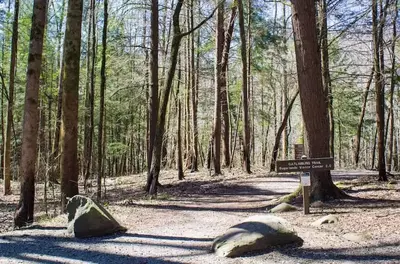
(219, 41)
(152, 177)
(392, 86)
(224, 86)
(69, 126)
(88, 128)
(194, 97)
(153, 100)
(179, 132)
(326, 76)
(311, 90)
(10, 105)
(100, 154)
(25, 208)
(377, 33)
(280, 132)
(285, 132)
(361, 120)
(245, 102)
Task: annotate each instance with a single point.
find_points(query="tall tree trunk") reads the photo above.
(152, 177)
(25, 208)
(179, 132)
(87, 138)
(377, 33)
(153, 100)
(361, 120)
(90, 165)
(374, 149)
(285, 132)
(54, 168)
(326, 76)
(10, 105)
(245, 101)
(280, 131)
(69, 126)
(217, 94)
(392, 86)
(224, 86)
(395, 152)
(311, 90)
(100, 154)
(194, 96)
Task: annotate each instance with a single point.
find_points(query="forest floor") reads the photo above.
(180, 225)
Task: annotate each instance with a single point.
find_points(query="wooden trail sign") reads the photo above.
(305, 166)
(317, 164)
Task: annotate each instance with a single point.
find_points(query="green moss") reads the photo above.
(290, 197)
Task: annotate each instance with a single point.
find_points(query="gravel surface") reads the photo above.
(180, 225)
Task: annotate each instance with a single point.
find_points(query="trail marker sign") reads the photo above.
(305, 166)
(316, 164)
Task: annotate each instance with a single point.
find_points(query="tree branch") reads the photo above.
(202, 22)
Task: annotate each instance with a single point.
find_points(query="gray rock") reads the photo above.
(317, 204)
(87, 218)
(357, 237)
(259, 232)
(283, 207)
(328, 219)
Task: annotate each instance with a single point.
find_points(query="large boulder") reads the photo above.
(256, 233)
(87, 218)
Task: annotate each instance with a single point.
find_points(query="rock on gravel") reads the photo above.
(328, 219)
(259, 232)
(283, 207)
(87, 218)
(357, 237)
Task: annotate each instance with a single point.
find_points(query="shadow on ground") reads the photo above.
(362, 254)
(56, 249)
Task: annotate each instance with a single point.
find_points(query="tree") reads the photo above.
(392, 86)
(216, 135)
(224, 86)
(25, 207)
(315, 114)
(7, 143)
(100, 141)
(89, 96)
(326, 75)
(245, 102)
(69, 126)
(152, 176)
(194, 96)
(280, 132)
(361, 120)
(153, 100)
(377, 35)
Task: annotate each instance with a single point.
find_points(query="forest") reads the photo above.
(97, 90)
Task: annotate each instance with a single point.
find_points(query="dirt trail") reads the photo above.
(179, 227)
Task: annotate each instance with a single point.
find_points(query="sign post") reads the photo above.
(305, 179)
(305, 166)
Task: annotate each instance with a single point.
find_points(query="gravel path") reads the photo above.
(181, 228)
